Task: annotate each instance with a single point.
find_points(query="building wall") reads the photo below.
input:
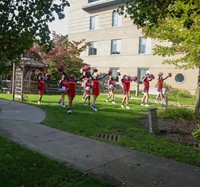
(129, 60)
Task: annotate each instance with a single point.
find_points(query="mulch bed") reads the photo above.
(178, 131)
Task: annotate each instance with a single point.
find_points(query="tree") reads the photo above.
(24, 22)
(174, 21)
(64, 53)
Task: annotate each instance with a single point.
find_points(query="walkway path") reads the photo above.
(124, 167)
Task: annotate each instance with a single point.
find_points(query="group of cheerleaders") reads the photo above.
(91, 82)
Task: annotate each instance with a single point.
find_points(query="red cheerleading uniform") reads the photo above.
(72, 87)
(96, 87)
(87, 88)
(126, 86)
(146, 86)
(160, 85)
(63, 83)
(41, 86)
(111, 85)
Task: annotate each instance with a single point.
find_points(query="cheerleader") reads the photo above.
(96, 87)
(126, 80)
(160, 87)
(63, 90)
(41, 88)
(146, 79)
(111, 88)
(71, 89)
(87, 87)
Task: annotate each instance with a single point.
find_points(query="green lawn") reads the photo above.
(111, 119)
(22, 167)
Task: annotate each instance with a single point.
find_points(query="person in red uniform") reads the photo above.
(96, 87)
(111, 89)
(71, 89)
(87, 88)
(63, 90)
(41, 88)
(146, 79)
(126, 90)
(160, 86)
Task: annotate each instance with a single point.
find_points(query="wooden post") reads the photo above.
(13, 82)
(153, 121)
(22, 82)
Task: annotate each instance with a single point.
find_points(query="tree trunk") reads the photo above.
(197, 105)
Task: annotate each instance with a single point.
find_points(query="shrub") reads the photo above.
(180, 114)
(196, 132)
(179, 93)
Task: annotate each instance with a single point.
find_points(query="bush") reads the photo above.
(180, 114)
(196, 132)
(179, 93)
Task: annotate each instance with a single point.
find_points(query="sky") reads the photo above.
(60, 26)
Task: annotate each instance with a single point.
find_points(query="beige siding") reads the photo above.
(129, 60)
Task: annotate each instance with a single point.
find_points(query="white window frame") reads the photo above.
(116, 19)
(145, 45)
(115, 46)
(141, 73)
(92, 49)
(94, 22)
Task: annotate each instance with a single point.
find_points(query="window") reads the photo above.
(91, 1)
(93, 48)
(179, 78)
(144, 45)
(115, 46)
(116, 19)
(114, 73)
(141, 73)
(93, 22)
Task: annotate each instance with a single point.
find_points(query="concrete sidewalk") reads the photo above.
(124, 167)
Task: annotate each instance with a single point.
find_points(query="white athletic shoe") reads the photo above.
(156, 101)
(64, 106)
(127, 107)
(69, 111)
(142, 104)
(122, 106)
(113, 102)
(106, 100)
(94, 108)
(147, 105)
(39, 102)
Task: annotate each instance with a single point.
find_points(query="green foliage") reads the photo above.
(176, 21)
(180, 114)
(23, 22)
(196, 132)
(179, 93)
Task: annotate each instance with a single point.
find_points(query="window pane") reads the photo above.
(180, 78)
(91, 1)
(115, 46)
(142, 44)
(92, 23)
(93, 49)
(114, 19)
(141, 73)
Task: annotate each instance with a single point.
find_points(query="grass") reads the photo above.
(22, 167)
(111, 119)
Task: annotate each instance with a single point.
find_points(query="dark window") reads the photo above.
(91, 1)
(179, 78)
(93, 48)
(141, 73)
(144, 45)
(115, 46)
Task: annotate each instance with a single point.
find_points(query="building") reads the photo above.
(117, 44)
